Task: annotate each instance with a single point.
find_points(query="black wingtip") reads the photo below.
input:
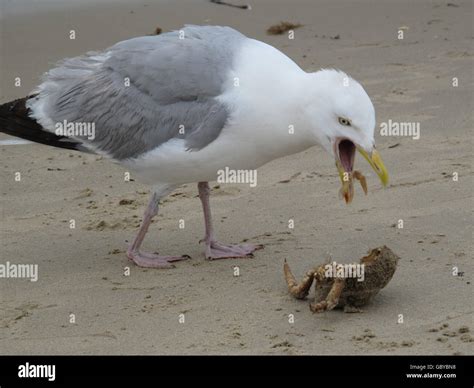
(15, 121)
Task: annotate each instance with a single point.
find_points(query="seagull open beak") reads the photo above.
(345, 155)
(377, 164)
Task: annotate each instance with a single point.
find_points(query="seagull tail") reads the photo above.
(15, 121)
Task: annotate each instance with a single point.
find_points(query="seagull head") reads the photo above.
(342, 118)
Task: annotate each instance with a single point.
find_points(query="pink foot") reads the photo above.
(215, 250)
(151, 260)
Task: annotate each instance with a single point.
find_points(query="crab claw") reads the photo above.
(361, 178)
(347, 191)
(301, 290)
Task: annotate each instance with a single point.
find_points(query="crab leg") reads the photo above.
(361, 178)
(331, 300)
(347, 191)
(299, 291)
(347, 178)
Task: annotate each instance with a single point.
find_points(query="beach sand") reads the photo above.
(82, 271)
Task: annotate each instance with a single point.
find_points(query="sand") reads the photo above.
(82, 271)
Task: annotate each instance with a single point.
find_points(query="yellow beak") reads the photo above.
(377, 164)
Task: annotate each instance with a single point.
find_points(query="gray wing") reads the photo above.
(173, 83)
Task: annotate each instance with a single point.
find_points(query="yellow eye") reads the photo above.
(344, 121)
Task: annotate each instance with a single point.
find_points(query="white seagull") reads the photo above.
(178, 107)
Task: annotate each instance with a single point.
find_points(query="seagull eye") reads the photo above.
(344, 121)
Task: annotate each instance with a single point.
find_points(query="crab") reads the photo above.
(347, 189)
(348, 293)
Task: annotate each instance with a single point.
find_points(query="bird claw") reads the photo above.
(152, 260)
(216, 250)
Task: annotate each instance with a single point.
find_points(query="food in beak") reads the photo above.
(345, 165)
(347, 179)
(345, 150)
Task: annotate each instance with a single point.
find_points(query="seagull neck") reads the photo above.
(302, 105)
(284, 122)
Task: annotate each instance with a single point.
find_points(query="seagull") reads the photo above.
(176, 108)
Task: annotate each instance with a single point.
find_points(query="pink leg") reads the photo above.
(149, 260)
(214, 249)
